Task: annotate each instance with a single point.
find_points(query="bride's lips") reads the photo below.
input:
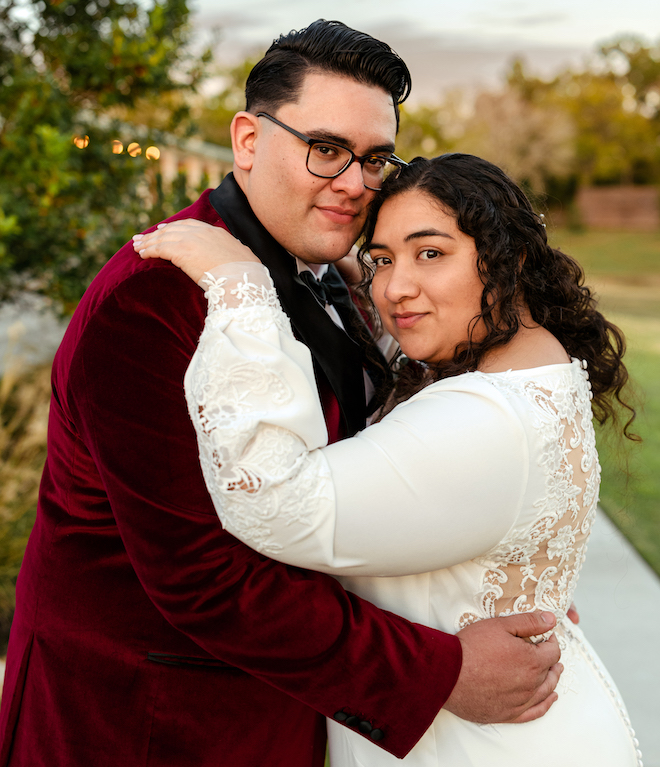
(406, 320)
(337, 214)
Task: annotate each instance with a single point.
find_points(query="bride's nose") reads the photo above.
(403, 282)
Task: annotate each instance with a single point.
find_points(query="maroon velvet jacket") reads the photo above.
(146, 635)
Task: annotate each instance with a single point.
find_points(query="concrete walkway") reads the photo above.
(618, 598)
(29, 331)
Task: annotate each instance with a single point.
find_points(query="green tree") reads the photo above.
(638, 67)
(215, 114)
(616, 144)
(532, 142)
(616, 136)
(70, 73)
(423, 130)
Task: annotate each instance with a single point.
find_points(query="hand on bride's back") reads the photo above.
(194, 246)
(503, 677)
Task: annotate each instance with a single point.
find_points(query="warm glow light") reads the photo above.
(81, 141)
(152, 153)
(134, 149)
(117, 147)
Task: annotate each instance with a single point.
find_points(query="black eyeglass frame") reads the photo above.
(392, 159)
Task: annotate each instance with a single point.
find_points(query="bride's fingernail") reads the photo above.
(138, 236)
(161, 226)
(142, 251)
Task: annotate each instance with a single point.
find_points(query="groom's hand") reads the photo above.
(504, 677)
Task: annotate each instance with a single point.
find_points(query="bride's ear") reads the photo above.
(244, 132)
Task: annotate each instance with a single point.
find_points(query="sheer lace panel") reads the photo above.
(244, 285)
(536, 566)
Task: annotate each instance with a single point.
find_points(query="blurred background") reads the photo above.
(113, 115)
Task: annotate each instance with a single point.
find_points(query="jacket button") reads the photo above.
(376, 735)
(353, 721)
(365, 727)
(341, 716)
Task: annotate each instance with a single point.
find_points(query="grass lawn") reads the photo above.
(624, 267)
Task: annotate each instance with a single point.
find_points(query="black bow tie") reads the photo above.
(323, 288)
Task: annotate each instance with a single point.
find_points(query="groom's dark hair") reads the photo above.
(327, 47)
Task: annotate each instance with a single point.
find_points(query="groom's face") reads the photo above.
(318, 219)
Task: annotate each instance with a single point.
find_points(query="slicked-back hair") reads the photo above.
(518, 268)
(325, 47)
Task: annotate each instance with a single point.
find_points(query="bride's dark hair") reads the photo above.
(518, 268)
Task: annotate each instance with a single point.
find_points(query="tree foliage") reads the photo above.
(70, 73)
(638, 66)
(611, 107)
(594, 126)
(215, 114)
(425, 130)
(533, 142)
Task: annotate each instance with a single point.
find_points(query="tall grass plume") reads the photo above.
(24, 403)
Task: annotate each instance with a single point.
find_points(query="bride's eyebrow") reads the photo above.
(427, 233)
(409, 237)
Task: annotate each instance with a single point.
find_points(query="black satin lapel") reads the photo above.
(336, 354)
(355, 325)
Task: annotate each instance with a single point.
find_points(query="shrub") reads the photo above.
(24, 402)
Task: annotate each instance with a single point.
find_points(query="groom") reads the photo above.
(146, 635)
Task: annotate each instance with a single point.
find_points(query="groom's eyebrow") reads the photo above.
(319, 135)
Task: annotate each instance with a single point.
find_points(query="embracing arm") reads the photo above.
(407, 495)
(504, 679)
(298, 631)
(436, 483)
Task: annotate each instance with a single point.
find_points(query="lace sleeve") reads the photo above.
(252, 397)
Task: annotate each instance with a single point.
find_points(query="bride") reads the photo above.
(473, 493)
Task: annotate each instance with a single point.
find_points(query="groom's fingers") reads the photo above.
(505, 677)
(531, 624)
(545, 696)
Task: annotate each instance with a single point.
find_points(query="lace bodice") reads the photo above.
(500, 469)
(537, 564)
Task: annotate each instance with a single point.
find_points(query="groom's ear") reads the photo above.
(244, 133)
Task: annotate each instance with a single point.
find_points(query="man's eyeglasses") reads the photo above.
(326, 159)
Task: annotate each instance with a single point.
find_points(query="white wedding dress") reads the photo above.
(472, 499)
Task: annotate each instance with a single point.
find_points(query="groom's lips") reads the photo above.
(338, 215)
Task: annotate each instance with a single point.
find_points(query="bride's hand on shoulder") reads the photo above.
(194, 246)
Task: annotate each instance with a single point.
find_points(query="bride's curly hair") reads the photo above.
(518, 268)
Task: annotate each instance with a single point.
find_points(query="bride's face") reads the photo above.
(426, 286)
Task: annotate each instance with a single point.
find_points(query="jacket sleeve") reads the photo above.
(439, 481)
(296, 630)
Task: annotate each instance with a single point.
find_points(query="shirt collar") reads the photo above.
(318, 270)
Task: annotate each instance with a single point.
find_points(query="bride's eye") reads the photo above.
(381, 260)
(429, 254)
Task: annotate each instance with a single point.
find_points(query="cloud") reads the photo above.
(529, 20)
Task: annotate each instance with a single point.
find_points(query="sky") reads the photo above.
(467, 43)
